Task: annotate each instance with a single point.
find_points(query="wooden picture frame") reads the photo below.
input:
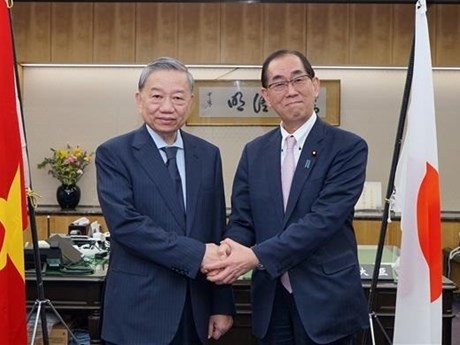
(240, 103)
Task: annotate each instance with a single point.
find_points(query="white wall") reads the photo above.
(85, 105)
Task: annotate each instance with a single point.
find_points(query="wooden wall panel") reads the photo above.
(199, 33)
(156, 31)
(71, 33)
(32, 23)
(42, 230)
(367, 231)
(402, 33)
(370, 34)
(328, 34)
(394, 233)
(241, 35)
(450, 234)
(114, 33)
(284, 27)
(237, 33)
(432, 28)
(447, 35)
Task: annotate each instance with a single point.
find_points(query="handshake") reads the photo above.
(223, 264)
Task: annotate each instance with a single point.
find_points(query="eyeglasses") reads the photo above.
(297, 83)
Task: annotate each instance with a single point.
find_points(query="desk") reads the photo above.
(385, 300)
(72, 293)
(69, 293)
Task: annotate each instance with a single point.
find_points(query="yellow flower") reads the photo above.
(67, 165)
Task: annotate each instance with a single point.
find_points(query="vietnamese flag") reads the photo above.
(419, 294)
(13, 213)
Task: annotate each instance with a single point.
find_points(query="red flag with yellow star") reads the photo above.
(13, 213)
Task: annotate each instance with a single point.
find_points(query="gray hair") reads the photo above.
(164, 64)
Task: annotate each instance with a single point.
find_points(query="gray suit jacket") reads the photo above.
(156, 255)
(314, 239)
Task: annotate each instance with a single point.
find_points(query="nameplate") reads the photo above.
(385, 272)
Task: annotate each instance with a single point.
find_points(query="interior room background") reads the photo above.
(366, 46)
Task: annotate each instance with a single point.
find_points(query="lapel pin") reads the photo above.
(313, 153)
(307, 164)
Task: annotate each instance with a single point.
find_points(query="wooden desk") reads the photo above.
(384, 308)
(72, 294)
(385, 300)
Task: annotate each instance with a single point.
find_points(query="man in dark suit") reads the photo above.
(161, 209)
(292, 211)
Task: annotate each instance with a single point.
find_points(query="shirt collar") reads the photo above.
(160, 143)
(301, 133)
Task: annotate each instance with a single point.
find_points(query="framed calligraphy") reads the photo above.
(240, 103)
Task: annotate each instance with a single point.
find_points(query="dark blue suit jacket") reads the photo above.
(314, 240)
(155, 255)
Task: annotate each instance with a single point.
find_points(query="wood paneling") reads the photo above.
(59, 224)
(450, 234)
(156, 31)
(328, 34)
(32, 31)
(241, 41)
(114, 33)
(370, 35)
(447, 36)
(72, 33)
(229, 33)
(284, 27)
(199, 33)
(48, 225)
(402, 33)
(42, 230)
(368, 232)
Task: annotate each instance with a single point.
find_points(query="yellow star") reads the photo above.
(11, 219)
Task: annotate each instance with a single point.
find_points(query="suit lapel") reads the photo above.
(305, 165)
(193, 178)
(150, 160)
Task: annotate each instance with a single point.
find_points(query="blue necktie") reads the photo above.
(171, 164)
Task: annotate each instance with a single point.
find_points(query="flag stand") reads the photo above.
(386, 211)
(41, 302)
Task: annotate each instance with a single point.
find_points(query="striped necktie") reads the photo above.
(171, 164)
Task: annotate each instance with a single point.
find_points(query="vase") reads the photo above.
(68, 196)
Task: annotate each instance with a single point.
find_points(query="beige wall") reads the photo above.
(88, 104)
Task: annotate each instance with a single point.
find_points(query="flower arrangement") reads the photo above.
(67, 165)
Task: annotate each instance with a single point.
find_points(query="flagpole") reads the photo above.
(41, 302)
(388, 198)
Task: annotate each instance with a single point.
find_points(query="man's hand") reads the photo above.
(214, 253)
(219, 325)
(240, 260)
